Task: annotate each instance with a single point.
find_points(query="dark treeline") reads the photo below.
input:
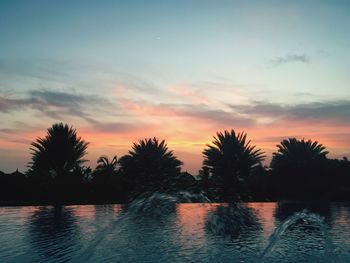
(232, 170)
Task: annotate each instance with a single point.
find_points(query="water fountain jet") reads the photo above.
(305, 217)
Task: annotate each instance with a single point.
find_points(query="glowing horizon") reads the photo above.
(190, 151)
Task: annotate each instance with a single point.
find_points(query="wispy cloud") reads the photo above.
(290, 58)
(55, 104)
(121, 115)
(9, 104)
(114, 127)
(198, 112)
(330, 111)
(107, 120)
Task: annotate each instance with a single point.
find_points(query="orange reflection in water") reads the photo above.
(265, 212)
(191, 217)
(84, 211)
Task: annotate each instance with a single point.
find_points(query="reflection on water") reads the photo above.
(53, 233)
(172, 232)
(232, 220)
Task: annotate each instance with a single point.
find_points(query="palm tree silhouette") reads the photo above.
(297, 154)
(150, 164)
(301, 167)
(58, 153)
(107, 166)
(231, 159)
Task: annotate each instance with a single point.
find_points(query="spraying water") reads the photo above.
(231, 220)
(157, 204)
(152, 206)
(305, 217)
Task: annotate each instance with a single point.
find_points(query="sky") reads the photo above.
(121, 71)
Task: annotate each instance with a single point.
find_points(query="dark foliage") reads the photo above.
(105, 169)
(58, 154)
(301, 168)
(295, 156)
(232, 170)
(150, 165)
(230, 161)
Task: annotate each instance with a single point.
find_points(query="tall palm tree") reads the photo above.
(231, 159)
(58, 153)
(149, 164)
(105, 166)
(294, 154)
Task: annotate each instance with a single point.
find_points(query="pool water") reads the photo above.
(181, 232)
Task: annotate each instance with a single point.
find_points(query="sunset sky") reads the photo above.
(120, 71)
